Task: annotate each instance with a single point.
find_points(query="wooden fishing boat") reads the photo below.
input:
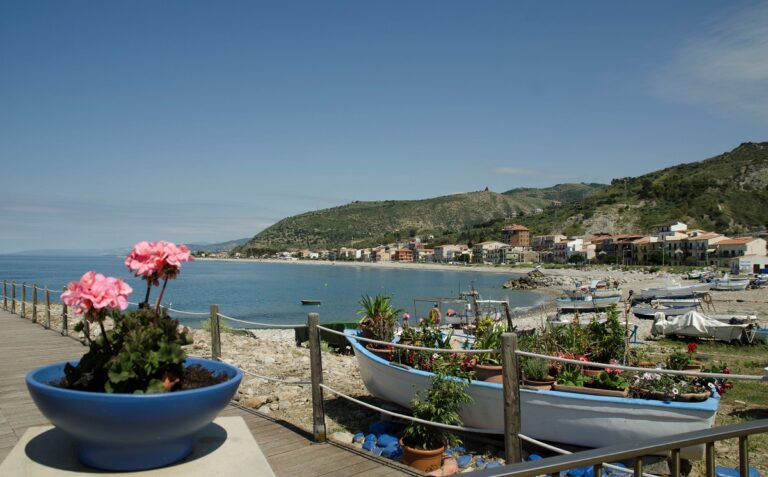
(588, 301)
(674, 290)
(310, 302)
(649, 312)
(555, 416)
(727, 283)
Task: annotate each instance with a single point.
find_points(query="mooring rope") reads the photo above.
(276, 380)
(267, 325)
(745, 377)
(194, 313)
(417, 348)
(450, 427)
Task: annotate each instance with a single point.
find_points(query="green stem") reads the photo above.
(145, 303)
(104, 335)
(160, 299)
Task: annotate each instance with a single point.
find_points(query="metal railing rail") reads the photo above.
(635, 451)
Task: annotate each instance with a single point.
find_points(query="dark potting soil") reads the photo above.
(196, 376)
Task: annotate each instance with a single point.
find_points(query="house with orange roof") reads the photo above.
(403, 255)
(516, 235)
(739, 247)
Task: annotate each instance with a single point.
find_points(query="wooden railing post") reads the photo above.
(13, 296)
(47, 308)
(743, 456)
(674, 463)
(215, 333)
(64, 325)
(5, 295)
(34, 302)
(511, 390)
(316, 370)
(23, 299)
(709, 453)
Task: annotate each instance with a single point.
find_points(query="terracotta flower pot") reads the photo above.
(695, 365)
(544, 384)
(488, 372)
(424, 460)
(595, 391)
(591, 372)
(383, 353)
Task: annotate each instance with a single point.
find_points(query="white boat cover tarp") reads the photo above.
(696, 325)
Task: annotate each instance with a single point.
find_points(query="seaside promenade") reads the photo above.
(289, 450)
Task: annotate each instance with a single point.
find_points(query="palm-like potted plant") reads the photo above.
(423, 445)
(488, 337)
(378, 322)
(134, 400)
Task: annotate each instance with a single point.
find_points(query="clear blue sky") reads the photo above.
(207, 121)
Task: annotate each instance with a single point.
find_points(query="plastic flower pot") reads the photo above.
(131, 431)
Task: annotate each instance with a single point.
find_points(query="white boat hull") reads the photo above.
(570, 418)
(674, 292)
(733, 285)
(597, 303)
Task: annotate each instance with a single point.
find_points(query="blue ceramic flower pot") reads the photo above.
(131, 431)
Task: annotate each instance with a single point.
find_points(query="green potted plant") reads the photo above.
(423, 445)
(684, 360)
(610, 382)
(378, 322)
(488, 337)
(536, 373)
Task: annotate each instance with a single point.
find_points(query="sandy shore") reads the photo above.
(473, 268)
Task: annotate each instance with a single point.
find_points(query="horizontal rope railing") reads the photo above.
(276, 380)
(267, 325)
(417, 348)
(193, 313)
(744, 377)
(449, 427)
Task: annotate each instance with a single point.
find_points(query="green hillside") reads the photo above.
(727, 193)
(447, 218)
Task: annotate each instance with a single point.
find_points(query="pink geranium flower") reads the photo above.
(155, 260)
(95, 293)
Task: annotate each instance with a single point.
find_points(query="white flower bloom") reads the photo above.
(435, 356)
(675, 392)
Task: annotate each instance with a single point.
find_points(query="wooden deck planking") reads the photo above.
(288, 449)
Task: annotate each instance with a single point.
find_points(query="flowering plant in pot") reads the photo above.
(423, 445)
(134, 400)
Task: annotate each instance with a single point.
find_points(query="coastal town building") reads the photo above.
(671, 229)
(424, 255)
(486, 252)
(449, 253)
(403, 255)
(546, 242)
(516, 235)
(749, 264)
(739, 247)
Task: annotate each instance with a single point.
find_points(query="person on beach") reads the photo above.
(435, 315)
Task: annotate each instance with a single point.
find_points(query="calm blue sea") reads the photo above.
(270, 292)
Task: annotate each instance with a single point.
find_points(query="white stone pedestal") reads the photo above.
(225, 448)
